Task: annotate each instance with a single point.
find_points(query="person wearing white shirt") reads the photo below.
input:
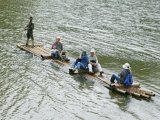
(93, 65)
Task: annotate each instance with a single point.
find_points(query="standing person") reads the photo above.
(93, 63)
(125, 76)
(29, 29)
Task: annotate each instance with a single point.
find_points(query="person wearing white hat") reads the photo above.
(120, 78)
(126, 66)
(93, 65)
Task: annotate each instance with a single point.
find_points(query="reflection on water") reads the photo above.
(120, 31)
(121, 100)
(83, 82)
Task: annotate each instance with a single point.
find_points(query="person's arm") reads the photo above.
(80, 56)
(93, 63)
(61, 46)
(88, 61)
(32, 26)
(121, 74)
(96, 59)
(26, 27)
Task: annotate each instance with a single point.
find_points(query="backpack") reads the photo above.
(128, 81)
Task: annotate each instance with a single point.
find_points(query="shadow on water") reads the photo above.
(83, 82)
(121, 100)
(54, 66)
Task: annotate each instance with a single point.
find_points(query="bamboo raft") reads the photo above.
(39, 50)
(36, 50)
(134, 90)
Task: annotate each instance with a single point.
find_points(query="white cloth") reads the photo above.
(98, 67)
(90, 68)
(53, 51)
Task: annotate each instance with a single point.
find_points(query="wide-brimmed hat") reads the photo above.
(126, 66)
(92, 50)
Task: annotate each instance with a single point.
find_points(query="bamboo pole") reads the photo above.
(146, 96)
(136, 94)
(121, 91)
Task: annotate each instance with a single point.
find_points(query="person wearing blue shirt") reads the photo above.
(81, 62)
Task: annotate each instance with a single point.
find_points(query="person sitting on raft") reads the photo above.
(125, 77)
(54, 52)
(93, 65)
(57, 50)
(81, 62)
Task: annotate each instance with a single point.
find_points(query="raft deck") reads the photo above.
(135, 89)
(39, 50)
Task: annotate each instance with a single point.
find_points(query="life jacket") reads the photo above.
(128, 81)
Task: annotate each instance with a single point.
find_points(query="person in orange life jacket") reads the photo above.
(126, 69)
(29, 29)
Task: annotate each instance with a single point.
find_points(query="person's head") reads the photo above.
(84, 53)
(92, 52)
(54, 47)
(30, 18)
(58, 39)
(126, 66)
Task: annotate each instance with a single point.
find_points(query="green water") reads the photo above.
(120, 31)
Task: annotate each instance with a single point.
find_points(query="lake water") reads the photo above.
(120, 31)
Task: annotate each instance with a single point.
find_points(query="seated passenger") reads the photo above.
(54, 52)
(81, 62)
(93, 65)
(125, 77)
(57, 50)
